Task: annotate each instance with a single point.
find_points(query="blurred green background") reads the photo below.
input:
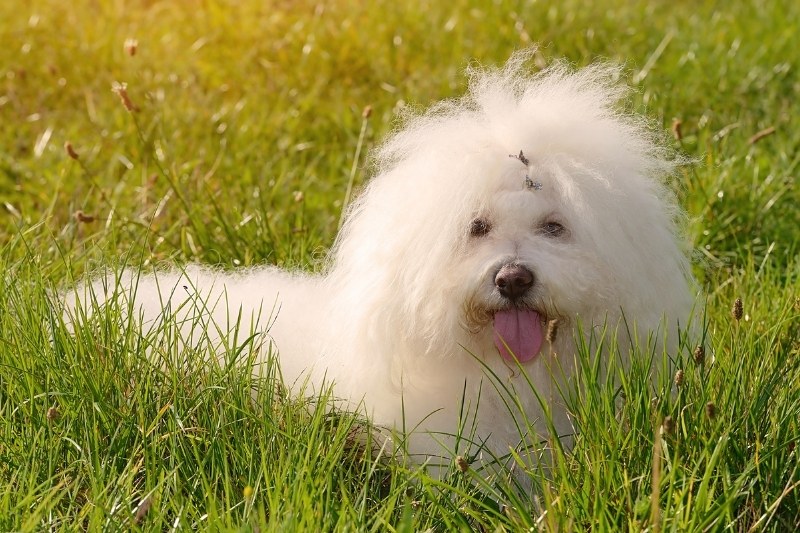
(243, 104)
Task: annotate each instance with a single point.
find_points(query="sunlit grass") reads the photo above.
(237, 147)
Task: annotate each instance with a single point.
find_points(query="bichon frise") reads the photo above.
(532, 203)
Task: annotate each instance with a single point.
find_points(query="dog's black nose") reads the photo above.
(513, 280)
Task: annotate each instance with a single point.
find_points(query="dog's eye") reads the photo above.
(479, 227)
(552, 229)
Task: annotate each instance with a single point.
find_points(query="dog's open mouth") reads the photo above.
(518, 334)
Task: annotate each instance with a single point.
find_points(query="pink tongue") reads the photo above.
(518, 333)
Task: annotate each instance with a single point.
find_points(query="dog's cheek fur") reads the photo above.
(371, 261)
(632, 231)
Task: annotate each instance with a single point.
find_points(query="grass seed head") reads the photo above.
(676, 129)
(141, 511)
(766, 132)
(131, 45)
(121, 90)
(462, 464)
(711, 410)
(552, 331)
(668, 425)
(52, 414)
(70, 150)
(679, 377)
(737, 309)
(80, 216)
(699, 354)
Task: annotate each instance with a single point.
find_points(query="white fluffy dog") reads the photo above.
(532, 201)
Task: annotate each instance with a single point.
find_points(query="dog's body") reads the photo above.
(435, 305)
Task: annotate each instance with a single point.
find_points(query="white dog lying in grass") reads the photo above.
(531, 204)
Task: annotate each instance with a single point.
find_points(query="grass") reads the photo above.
(242, 151)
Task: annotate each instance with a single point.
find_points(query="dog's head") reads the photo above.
(531, 199)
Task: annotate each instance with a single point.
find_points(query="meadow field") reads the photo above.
(146, 133)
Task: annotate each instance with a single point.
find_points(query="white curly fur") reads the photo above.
(401, 317)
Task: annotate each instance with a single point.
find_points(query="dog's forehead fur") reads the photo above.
(561, 119)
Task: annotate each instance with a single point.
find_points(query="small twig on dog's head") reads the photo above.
(529, 183)
(521, 157)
